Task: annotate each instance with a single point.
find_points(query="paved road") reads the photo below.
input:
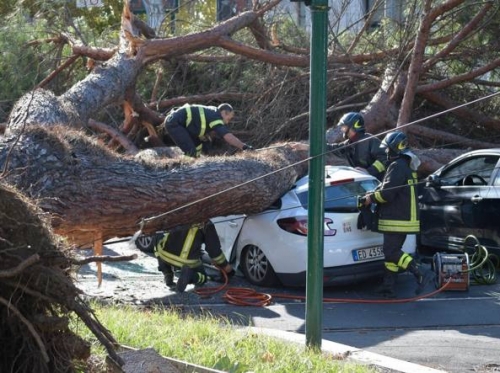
(450, 331)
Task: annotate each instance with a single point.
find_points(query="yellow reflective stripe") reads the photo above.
(219, 259)
(404, 261)
(203, 122)
(216, 122)
(177, 261)
(398, 225)
(189, 115)
(161, 244)
(199, 148)
(379, 166)
(378, 197)
(188, 242)
(200, 278)
(391, 266)
(413, 207)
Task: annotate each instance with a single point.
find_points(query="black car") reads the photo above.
(460, 199)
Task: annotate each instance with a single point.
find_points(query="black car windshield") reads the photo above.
(482, 166)
(342, 197)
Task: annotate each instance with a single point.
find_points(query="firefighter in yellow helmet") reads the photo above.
(398, 212)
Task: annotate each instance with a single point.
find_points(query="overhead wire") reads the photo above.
(159, 216)
(246, 296)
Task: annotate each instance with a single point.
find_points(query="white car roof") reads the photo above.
(335, 174)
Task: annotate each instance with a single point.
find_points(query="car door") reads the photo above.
(228, 228)
(460, 200)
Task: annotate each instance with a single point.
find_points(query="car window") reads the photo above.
(482, 166)
(496, 182)
(342, 197)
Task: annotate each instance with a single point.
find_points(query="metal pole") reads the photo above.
(317, 126)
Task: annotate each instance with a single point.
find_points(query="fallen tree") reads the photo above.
(89, 193)
(93, 194)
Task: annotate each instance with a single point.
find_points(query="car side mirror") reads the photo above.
(433, 181)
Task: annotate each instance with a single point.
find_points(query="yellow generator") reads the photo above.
(452, 271)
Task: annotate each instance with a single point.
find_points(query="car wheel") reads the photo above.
(146, 243)
(257, 268)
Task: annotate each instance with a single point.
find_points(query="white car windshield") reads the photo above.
(342, 197)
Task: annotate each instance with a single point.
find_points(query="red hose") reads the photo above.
(250, 297)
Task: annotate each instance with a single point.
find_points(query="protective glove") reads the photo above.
(361, 201)
(247, 147)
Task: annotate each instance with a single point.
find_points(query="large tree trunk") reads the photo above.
(91, 192)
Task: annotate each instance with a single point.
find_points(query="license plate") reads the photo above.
(367, 254)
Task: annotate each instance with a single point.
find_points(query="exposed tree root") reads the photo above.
(38, 296)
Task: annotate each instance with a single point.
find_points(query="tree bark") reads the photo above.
(89, 191)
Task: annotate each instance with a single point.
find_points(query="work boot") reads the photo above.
(422, 277)
(387, 289)
(185, 278)
(200, 279)
(169, 280)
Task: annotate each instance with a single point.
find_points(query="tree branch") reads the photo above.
(115, 134)
(415, 65)
(54, 73)
(30, 327)
(459, 78)
(458, 38)
(462, 112)
(103, 258)
(21, 267)
(448, 138)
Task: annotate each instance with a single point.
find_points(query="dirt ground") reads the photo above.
(129, 282)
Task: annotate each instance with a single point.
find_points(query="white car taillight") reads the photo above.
(298, 225)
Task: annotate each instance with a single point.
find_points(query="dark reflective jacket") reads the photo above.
(182, 246)
(397, 199)
(199, 120)
(364, 152)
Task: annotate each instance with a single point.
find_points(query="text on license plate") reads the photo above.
(367, 254)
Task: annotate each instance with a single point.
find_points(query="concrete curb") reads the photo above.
(351, 353)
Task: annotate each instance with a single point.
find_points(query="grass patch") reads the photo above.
(209, 341)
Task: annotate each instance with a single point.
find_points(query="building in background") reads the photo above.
(348, 14)
(343, 14)
(156, 10)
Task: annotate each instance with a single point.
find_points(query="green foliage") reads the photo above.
(21, 65)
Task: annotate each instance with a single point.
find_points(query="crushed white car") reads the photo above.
(270, 248)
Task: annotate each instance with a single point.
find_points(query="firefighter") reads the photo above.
(181, 249)
(398, 212)
(360, 149)
(193, 126)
